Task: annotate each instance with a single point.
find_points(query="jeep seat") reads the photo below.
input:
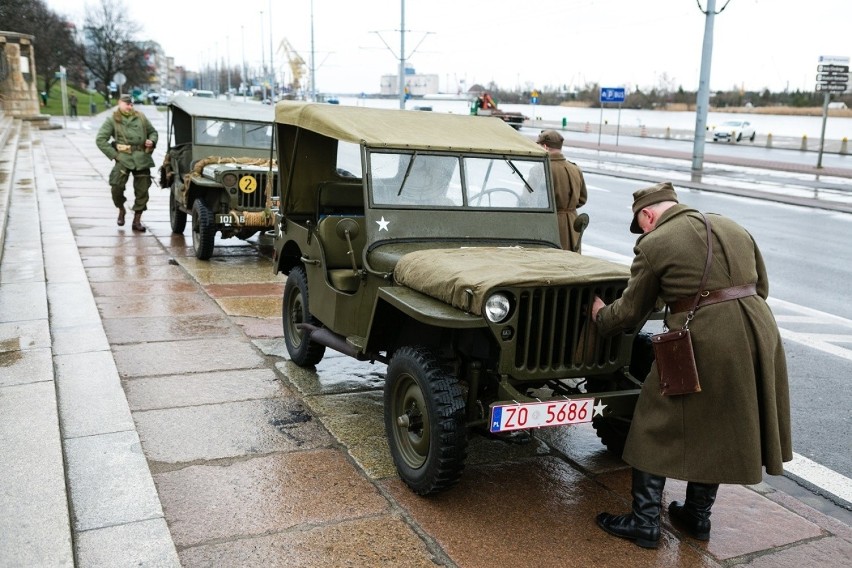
(336, 249)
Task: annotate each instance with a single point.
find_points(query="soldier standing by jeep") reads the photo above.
(128, 137)
(569, 187)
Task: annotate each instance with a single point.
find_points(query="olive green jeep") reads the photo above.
(429, 242)
(220, 169)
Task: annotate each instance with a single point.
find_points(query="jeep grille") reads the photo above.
(256, 199)
(554, 332)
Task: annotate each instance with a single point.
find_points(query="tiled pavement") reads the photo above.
(148, 416)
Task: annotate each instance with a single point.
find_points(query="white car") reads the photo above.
(734, 130)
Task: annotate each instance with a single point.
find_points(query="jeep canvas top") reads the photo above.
(429, 242)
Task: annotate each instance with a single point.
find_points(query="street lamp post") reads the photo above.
(271, 55)
(262, 58)
(402, 55)
(703, 99)
(245, 69)
(228, 63)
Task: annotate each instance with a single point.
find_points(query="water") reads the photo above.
(836, 128)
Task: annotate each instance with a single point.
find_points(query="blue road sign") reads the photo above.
(612, 95)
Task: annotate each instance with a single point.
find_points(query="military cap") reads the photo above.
(125, 99)
(550, 138)
(649, 196)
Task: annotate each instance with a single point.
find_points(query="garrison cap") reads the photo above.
(649, 196)
(550, 138)
(125, 99)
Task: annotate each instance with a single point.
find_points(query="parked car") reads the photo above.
(734, 130)
(429, 242)
(219, 168)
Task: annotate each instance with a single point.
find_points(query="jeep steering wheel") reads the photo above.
(475, 200)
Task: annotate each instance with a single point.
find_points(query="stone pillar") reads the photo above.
(18, 92)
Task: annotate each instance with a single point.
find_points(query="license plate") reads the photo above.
(225, 219)
(507, 417)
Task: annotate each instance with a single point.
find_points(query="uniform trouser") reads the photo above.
(141, 182)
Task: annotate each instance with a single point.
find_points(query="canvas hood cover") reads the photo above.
(446, 274)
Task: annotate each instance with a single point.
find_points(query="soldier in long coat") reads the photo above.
(128, 137)
(740, 421)
(569, 187)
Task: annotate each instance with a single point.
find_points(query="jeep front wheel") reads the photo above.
(424, 421)
(302, 350)
(177, 217)
(203, 230)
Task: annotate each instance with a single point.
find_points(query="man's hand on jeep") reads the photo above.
(596, 307)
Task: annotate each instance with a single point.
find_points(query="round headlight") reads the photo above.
(497, 308)
(229, 180)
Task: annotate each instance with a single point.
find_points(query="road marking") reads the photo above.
(820, 476)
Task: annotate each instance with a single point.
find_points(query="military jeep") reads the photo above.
(220, 169)
(429, 242)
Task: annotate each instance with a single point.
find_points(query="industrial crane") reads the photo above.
(297, 66)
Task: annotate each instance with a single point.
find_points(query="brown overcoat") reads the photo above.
(569, 187)
(740, 421)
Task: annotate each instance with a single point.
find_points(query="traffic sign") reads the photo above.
(832, 88)
(833, 60)
(832, 77)
(612, 95)
(833, 68)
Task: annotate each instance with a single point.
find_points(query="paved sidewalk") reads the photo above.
(123, 442)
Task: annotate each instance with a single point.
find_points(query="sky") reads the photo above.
(547, 44)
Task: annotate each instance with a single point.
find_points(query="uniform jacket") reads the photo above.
(740, 421)
(569, 186)
(132, 130)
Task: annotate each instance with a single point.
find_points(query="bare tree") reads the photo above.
(110, 46)
(54, 42)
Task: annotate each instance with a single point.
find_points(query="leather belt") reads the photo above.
(714, 297)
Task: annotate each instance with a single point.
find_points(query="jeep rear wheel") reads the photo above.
(302, 350)
(203, 230)
(177, 218)
(424, 421)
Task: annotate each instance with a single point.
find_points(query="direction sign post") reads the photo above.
(832, 77)
(611, 95)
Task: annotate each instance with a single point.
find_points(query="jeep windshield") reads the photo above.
(218, 132)
(432, 180)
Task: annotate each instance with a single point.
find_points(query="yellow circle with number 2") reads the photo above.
(248, 184)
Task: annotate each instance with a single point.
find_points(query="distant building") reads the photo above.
(837, 105)
(416, 85)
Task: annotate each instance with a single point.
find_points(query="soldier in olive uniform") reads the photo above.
(740, 421)
(128, 138)
(569, 187)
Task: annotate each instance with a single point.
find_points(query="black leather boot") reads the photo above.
(642, 526)
(693, 516)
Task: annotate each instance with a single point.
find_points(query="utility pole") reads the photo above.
(262, 59)
(271, 56)
(245, 69)
(402, 55)
(313, 59)
(703, 101)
